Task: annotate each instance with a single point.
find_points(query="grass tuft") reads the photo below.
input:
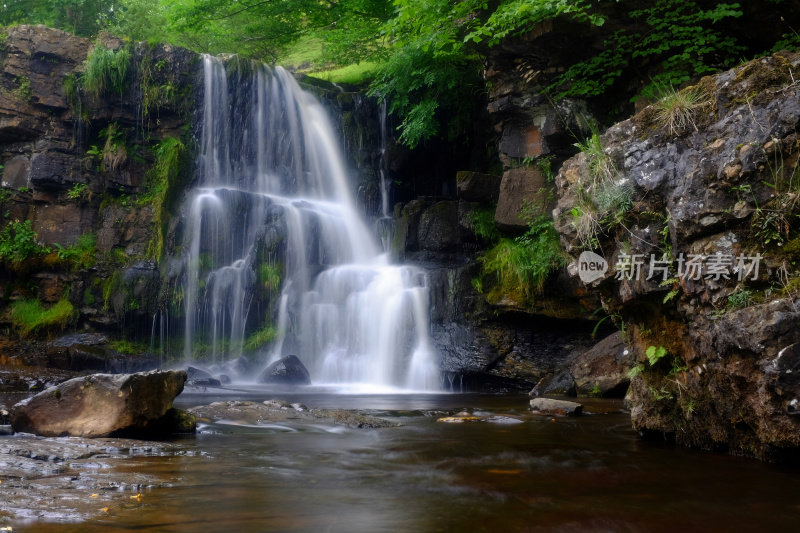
(676, 109)
(29, 317)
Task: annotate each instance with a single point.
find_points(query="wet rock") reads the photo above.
(521, 187)
(603, 370)
(4, 416)
(99, 405)
(558, 384)
(89, 351)
(288, 370)
(200, 378)
(477, 186)
(65, 472)
(458, 419)
(85, 339)
(279, 411)
(547, 406)
(438, 227)
(175, 422)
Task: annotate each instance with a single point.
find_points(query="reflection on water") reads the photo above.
(585, 474)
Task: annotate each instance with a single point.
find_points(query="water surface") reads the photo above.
(541, 474)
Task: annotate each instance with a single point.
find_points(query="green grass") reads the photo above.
(522, 265)
(483, 225)
(28, 316)
(269, 276)
(260, 338)
(82, 254)
(127, 347)
(675, 110)
(106, 70)
(355, 74)
(163, 182)
(303, 54)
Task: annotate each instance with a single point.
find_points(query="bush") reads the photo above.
(18, 242)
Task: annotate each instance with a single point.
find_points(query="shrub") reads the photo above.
(18, 242)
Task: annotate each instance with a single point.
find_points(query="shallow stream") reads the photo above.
(520, 472)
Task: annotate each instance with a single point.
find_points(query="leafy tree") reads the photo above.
(82, 17)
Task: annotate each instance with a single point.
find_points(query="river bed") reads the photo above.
(512, 471)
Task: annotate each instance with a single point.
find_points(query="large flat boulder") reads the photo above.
(100, 405)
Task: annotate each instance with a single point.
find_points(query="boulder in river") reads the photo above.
(287, 370)
(200, 378)
(546, 406)
(100, 405)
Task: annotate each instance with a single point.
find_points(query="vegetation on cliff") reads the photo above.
(425, 56)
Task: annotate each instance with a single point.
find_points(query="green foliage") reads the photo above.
(18, 242)
(71, 88)
(23, 90)
(29, 317)
(676, 38)
(78, 191)
(740, 298)
(674, 291)
(482, 221)
(163, 183)
(81, 17)
(269, 276)
(655, 354)
(260, 338)
(127, 347)
(114, 153)
(106, 70)
(82, 254)
(522, 265)
(676, 110)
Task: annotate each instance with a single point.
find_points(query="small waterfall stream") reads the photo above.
(272, 224)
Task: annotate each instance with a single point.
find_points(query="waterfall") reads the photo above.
(274, 243)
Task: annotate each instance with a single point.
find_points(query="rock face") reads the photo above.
(523, 191)
(683, 213)
(99, 405)
(477, 186)
(288, 370)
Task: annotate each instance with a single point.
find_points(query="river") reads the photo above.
(590, 473)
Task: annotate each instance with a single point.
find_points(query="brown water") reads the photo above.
(569, 474)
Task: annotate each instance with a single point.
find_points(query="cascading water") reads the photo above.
(274, 208)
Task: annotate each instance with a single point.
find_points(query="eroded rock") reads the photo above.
(99, 405)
